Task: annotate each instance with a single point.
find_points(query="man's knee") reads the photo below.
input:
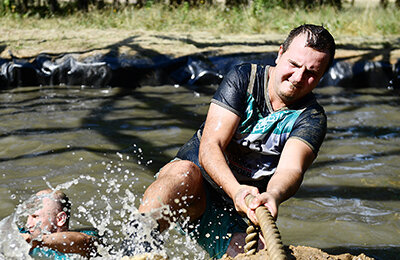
(182, 170)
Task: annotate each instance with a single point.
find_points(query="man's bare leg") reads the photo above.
(180, 186)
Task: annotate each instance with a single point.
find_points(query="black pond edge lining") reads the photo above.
(103, 70)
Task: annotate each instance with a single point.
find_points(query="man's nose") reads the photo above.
(298, 75)
(29, 222)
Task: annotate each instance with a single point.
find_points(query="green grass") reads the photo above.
(351, 21)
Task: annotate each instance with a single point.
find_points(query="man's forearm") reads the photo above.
(213, 161)
(219, 129)
(295, 160)
(283, 185)
(68, 242)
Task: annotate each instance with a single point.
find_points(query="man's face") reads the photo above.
(43, 220)
(298, 70)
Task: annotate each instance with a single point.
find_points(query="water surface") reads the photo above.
(105, 144)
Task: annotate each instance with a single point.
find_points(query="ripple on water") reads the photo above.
(350, 196)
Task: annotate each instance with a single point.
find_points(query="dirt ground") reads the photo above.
(303, 253)
(292, 253)
(144, 44)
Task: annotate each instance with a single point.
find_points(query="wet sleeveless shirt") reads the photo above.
(254, 151)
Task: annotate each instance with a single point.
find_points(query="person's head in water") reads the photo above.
(52, 213)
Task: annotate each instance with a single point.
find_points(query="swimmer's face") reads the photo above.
(44, 219)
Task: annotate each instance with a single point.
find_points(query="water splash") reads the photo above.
(12, 245)
(111, 210)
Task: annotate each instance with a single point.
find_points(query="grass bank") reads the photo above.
(364, 20)
(363, 31)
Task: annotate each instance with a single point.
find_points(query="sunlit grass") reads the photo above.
(352, 21)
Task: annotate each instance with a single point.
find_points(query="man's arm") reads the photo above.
(296, 157)
(218, 131)
(65, 242)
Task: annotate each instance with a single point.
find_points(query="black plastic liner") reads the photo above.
(188, 70)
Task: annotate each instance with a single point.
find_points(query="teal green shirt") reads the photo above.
(47, 253)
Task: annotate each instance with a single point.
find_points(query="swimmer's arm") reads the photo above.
(66, 242)
(219, 129)
(26, 236)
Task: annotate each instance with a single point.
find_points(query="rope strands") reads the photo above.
(270, 232)
(251, 239)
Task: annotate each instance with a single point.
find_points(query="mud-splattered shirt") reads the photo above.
(254, 151)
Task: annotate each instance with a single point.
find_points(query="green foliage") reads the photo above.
(259, 6)
(261, 17)
(61, 7)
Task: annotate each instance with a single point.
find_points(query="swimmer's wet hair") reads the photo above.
(62, 200)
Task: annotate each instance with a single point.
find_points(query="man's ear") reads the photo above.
(280, 52)
(61, 219)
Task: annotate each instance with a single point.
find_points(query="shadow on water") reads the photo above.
(349, 192)
(345, 100)
(356, 131)
(60, 151)
(364, 157)
(110, 129)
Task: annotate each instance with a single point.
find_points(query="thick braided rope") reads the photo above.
(270, 232)
(251, 239)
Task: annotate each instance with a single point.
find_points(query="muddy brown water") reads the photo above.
(105, 144)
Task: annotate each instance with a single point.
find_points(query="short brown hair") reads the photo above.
(318, 38)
